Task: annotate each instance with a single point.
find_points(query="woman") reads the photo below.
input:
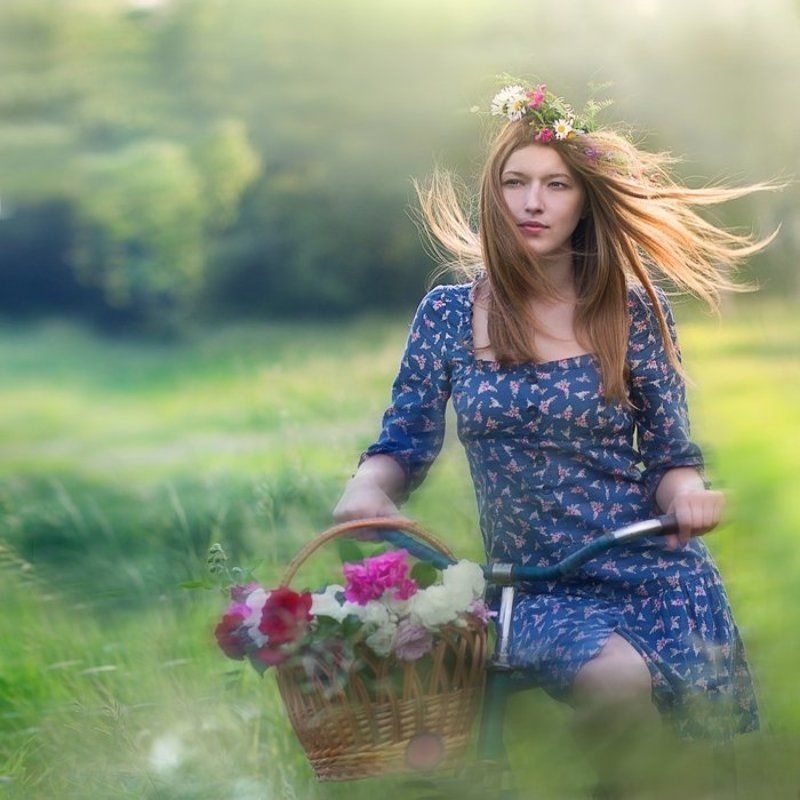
(562, 360)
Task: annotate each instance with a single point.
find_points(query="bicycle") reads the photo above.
(491, 758)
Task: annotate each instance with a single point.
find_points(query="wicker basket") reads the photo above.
(399, 716)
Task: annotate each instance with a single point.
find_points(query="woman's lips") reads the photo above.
(533, 228)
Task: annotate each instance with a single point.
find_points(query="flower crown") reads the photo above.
(551, 116)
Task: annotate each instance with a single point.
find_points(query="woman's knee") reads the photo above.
(617, 673)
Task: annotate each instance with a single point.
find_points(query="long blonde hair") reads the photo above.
(639, 224)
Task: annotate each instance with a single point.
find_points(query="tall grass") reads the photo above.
(122, 461)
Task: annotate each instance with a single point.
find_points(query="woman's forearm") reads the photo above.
(675, 482)
(385, 472)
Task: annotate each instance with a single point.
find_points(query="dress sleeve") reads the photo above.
(412, 431)
(659, 393)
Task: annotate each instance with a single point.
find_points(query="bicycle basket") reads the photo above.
(390, 716)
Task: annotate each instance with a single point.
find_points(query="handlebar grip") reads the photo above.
(669, 524)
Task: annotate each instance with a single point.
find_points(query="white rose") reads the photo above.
(255, 602)
(465, 583)
(381, 640)
(375, 613)
(433, 607)
(396, 608)
(327, 604)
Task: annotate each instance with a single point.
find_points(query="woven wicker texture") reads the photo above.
(389, 712)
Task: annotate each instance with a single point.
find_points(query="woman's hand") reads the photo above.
(698, 511)
(363, 498)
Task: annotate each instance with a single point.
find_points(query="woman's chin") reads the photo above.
(544, 252)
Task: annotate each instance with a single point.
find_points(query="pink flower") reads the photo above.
(544, 135)
(480, 610)
(411, 641)
(370, 578)
(359, 589)
(537, 95)
(239, 593)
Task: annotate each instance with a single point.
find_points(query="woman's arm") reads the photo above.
(677, 481)
(373, 491)
(674, 463)
(683, 492)
(413, 425)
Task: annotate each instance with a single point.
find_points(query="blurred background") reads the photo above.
(209, 260)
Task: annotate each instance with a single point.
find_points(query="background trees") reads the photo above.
(188, 158)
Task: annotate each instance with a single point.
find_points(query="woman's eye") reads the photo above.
(514, 181)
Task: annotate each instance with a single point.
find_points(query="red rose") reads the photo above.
(285, 616)
(228, 638)
(270, 656)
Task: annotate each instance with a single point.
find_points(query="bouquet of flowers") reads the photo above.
(380, 672)
(382, 608)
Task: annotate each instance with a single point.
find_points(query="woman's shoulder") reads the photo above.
(452, 292)
(446, 302)
(645, 332)
(638, 298)
(643, 314)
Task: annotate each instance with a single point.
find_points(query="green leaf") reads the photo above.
(349, 551)
(197, 585)
(350, 625)
(326, 626)
(424, 574)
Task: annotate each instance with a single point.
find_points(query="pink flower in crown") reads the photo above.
(544, 135)
(373, 576)
(537, 96)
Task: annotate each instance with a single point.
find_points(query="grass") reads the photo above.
(121, 461)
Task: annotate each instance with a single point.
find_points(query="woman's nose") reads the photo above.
(533, 200)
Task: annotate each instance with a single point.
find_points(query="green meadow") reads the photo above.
(121, 461)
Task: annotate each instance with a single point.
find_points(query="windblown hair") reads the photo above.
(639, 225)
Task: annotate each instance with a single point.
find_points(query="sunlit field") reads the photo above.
(121, 461)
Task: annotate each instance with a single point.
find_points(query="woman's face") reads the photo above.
(540, 190)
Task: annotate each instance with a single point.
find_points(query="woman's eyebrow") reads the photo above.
(545, 177)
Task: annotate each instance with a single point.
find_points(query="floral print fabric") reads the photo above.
(554, 464)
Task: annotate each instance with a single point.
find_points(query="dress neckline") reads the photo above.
(570, 362)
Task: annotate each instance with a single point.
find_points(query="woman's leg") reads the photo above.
(616, 722)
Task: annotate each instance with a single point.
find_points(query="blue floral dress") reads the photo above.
(553, 465)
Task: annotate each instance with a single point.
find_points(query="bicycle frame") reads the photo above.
(499, 670)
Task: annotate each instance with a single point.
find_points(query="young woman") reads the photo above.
(561, 357)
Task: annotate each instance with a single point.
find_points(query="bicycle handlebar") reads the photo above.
(512, 573)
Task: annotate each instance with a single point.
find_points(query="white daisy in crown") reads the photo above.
(562, 127)
(511, 102)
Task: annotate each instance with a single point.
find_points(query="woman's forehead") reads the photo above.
(536, 159)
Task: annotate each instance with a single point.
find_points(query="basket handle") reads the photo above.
(383, 523)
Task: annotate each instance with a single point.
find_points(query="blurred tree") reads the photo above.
(142, 215)
(90, 120)
(258, 157)
(227, 165)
